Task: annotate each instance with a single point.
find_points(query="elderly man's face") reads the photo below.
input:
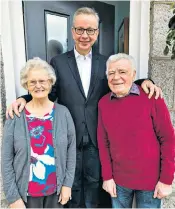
(38, 83)
(84, 42)
(120, 77)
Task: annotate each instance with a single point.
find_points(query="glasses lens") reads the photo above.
(79, 31)
(32, 83)
(90, 31)
(41, 82)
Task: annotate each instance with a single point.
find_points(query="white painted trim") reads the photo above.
(134, 32)
(13, 47)
(144, 38)
(139, 35)
(18, 41)
(7, 53)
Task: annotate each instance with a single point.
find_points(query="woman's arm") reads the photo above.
(71, 152)
(8, 173)
(65, 193)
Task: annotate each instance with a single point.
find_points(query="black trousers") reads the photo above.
(87, 189)
(50, 201)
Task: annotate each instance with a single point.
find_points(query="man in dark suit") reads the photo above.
(81, 82)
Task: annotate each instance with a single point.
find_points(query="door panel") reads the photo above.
(52, 20)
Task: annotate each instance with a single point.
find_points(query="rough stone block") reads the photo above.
(163, 74)
(169, 202)
(160, 15)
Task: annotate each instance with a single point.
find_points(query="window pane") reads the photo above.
(56, 27)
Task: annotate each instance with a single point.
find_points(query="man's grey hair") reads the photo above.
(86, 11)
(119, 56)
(36, 64)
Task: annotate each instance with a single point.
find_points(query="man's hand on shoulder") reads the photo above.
(16, 107)
(151, 89)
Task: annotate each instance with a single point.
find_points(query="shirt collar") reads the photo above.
(77, 55)
(134, 90)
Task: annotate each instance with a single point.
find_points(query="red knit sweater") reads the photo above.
(136, 141)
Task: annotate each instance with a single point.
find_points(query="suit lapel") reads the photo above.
(74, 69)
(94, 73)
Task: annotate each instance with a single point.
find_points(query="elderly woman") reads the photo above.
(136, 140)
(39, 148)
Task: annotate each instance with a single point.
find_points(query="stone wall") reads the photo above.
(2, 116)
(162, 68)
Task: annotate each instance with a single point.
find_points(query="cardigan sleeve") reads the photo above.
(104, 150)
(71, 151)
(166, 136)
(8, 173)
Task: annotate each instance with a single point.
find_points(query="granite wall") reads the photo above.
(2, 116)
(162, 68)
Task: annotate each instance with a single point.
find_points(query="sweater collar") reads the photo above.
(133, 90)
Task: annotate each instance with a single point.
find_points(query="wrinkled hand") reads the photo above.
(110, 187)
(150, 88)
(162, 190)
(65, 195)
(17, 204)
(17, 106)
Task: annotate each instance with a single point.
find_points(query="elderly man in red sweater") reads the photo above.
(136, 140)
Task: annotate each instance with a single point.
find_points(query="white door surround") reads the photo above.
(139, 44)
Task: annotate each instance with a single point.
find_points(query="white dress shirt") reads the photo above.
(84, 67)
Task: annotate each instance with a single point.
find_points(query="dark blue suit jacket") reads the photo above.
(69, 91)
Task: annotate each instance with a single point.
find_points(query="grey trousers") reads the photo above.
(50, 201)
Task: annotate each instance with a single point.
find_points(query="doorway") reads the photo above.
(48, 26)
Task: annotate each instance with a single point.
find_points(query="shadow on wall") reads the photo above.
(54, 48)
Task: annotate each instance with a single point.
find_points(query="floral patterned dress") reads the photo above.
(42, 180)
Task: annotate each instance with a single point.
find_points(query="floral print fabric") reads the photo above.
(42, 180)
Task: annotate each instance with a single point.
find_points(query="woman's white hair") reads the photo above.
(119, 56)
(36, 64)
(86, 11)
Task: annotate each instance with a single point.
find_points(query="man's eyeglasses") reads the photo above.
(89, 31)
(33, 83)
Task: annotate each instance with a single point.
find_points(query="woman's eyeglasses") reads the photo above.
(34, 82)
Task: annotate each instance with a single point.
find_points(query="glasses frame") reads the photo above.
(85, 30)
(45, 82)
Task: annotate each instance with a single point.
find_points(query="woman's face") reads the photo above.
(38, 83)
